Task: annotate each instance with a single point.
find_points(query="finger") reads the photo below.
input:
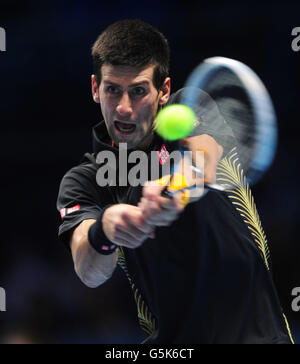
(122, 240)
(154, 214)
(152, 192)
(162, 222)
(151, 212)
(171, 205)
(133, 237)
(138, 225)
(147, 228)
(130, 233)
(163, 215)
(152, 189)
(135, 234)
(157, 204)
(163, 219)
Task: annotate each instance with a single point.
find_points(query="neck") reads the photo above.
(146, 142)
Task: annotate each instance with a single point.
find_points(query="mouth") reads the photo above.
(124, 128)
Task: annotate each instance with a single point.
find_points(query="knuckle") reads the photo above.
(123, 214)
(120, 225)
(135, 244)
(139, 221)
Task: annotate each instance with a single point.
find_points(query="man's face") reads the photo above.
(129, 102)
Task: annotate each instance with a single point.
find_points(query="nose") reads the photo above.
(124, 107)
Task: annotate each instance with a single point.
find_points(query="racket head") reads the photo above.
(226, 88)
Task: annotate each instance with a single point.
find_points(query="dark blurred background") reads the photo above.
(47, 112)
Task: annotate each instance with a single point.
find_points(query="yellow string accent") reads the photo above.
(288, 329)
(230, 173)
(146, 319)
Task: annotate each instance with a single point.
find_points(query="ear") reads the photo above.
(164, 92)
(95, 90)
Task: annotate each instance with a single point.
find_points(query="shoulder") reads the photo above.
(79, 186)
(79, 181)
(83, 172)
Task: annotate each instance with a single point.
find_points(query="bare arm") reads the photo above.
(123, 225)
(212, 153)
(91, 267)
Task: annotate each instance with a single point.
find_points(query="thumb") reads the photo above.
(152, 189)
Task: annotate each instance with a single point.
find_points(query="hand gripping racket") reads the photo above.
(226, 90)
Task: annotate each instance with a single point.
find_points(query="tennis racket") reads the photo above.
(225, 91)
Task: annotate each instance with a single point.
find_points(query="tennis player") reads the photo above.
(199, 274)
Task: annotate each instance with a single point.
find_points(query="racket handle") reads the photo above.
(207, 186)
(166, 193)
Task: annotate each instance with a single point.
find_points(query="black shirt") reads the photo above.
(206, 278)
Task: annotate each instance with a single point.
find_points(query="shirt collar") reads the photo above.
(101, 139)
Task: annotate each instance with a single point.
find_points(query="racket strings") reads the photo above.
(227, 94)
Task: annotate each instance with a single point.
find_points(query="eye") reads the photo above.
(138, 91)
(113, 90)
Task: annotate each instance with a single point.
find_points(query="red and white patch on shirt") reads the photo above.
(64, 212)
(163, 155)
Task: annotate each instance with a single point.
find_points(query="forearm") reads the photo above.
(212, 154)
(92, 267)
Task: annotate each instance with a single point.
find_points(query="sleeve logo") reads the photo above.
(64, 212)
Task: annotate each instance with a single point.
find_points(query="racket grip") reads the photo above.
(207, 186)
(184, 196)
(166, 193)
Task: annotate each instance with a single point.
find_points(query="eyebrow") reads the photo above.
(132, 85)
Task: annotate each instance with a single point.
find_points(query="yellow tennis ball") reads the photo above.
(175, 122)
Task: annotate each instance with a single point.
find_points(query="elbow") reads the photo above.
(90, 284)
(90, 280)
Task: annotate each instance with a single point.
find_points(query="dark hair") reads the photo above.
(134, 43)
